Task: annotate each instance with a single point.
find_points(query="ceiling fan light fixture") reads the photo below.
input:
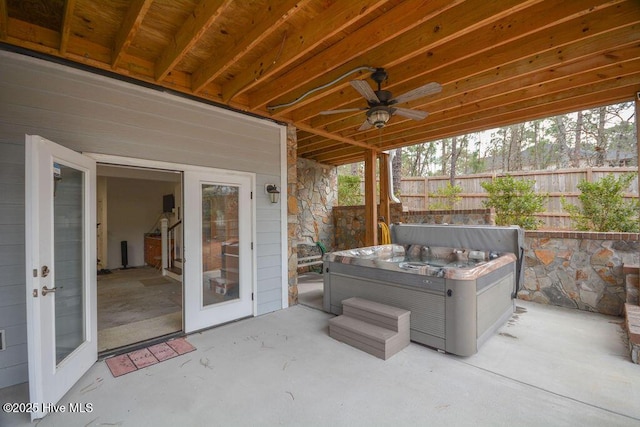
(378, 118)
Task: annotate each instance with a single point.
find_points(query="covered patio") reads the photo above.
(546, 366)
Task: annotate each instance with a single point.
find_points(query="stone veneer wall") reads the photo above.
(349, 221)
(317, 193)
(578, 269)
(349, 228)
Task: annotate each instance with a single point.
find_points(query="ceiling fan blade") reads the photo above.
(419, 92)
(344, 110)
(366, 125)
(365, 90)
(410, 114)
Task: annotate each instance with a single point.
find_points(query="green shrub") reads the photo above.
(604, 207)
(449, 196)
(514, 201)
(349, 190)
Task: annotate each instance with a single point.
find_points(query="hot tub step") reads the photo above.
(383, 315)
(378, 341)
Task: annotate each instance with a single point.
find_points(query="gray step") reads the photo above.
(376, 340)
(383, 315)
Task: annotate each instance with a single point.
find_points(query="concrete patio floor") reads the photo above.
(547, 367)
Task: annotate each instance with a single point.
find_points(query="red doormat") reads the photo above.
(129, 362)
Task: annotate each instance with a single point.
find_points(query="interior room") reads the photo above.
(138, 299)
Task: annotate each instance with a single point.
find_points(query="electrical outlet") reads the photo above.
(3, 344)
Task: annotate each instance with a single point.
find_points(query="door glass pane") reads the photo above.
(220, 262)
(68, 268)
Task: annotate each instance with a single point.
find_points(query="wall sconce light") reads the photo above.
(273, 192)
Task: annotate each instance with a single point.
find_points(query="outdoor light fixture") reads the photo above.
(378, 117)
(273, 192)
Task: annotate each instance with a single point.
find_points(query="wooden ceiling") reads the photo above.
(499, 62)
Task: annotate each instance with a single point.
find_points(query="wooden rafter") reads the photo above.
(67, 17)
(221, 61)
(398, 48)
(471, 57)
(334, 19)
(189, 34)
(3, 19)
(368, 38)
(331, 136)
(130, 26)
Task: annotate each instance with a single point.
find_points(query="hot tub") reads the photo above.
(458, 296)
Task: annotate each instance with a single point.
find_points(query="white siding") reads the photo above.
(92, 113)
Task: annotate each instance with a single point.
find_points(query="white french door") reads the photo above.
(61, 262)
(60, 213)
(218, 255)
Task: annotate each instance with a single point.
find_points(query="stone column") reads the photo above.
(292, 214)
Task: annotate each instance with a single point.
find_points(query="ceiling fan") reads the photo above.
(382, 105)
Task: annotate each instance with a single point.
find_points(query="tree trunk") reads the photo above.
(601, 143)
(444, 157)
(577, 149)
(514, 161)
(536, 145)
(503, 149)
(561, 143)
(454, 159)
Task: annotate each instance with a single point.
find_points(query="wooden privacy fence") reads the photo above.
(415, 193)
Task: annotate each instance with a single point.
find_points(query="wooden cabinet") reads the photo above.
(153, 250)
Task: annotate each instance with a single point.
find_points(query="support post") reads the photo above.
(385, 190)
(370, 205)
(638, 132)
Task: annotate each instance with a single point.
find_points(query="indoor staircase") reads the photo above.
(378, 329)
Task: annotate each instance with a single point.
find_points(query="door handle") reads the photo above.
(46, 290)
(45, 271)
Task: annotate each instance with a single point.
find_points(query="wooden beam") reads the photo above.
(637, 105)
(334, 20)
(370, 206)
(3, 19)
(548, 94)
(398, 48)
(540, 110)
(195, 26)
(347, 54)
(273, 20)
(129, 28)
(578, 61)
(334, 137)
(453, 62)
(67, 21)
(602, 68)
